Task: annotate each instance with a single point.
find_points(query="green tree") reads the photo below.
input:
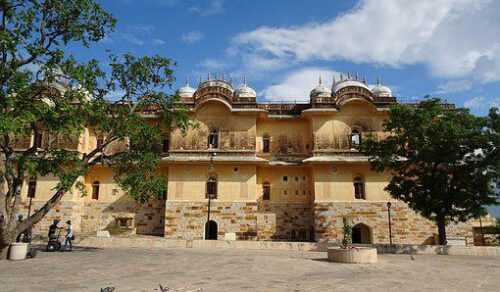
(444, 162)
(45, 92)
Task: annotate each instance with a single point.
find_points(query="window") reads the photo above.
(285, 178)
(266, 191)
(213, 139)
(165, 146)
(95, 190)
(359, 188)
(38, 139)
(100, 141)
(355, 139)
(32, 187)
(211, 188)
(266, 143)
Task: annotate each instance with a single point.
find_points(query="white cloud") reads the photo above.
(482, 104)
(158, 42)
(212, 64)
(213, 7)
(192, 37)
(297, 85)
(454, 86)
(454, 38)
(137, 34)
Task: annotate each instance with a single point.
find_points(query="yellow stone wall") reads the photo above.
(296, 189)
(235, 182)
(334, 182)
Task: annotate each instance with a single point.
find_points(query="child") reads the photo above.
(69, 237)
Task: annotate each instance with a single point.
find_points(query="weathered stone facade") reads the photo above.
(282, 172)
(407, 226)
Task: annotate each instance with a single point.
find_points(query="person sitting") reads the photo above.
(53, 229)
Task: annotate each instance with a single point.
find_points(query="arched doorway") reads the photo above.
(211, 230)
(361, 234)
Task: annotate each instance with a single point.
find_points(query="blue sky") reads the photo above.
(447, 48)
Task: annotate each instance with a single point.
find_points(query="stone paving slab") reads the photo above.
(216, 269)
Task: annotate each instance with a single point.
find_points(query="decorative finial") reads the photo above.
(208, 76)
(378, 80)
(244, 80)
(320, 82)
(357, 76)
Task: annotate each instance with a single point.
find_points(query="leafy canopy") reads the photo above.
(444, 162)
(49, 94)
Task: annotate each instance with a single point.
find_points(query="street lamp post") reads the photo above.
(209, 195)
(389, 218)
(29, 214)
(481, 230)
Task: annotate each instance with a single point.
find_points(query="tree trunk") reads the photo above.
(6, 239)
(441, 223)
(4, 252)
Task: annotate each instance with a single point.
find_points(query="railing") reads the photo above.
(343, 143)
(228, 140)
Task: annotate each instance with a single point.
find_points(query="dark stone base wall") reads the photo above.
(407, 226)
(90, 216)
(143, 219)
(285, 221)
(62, 211)
(247, 220)
(186, 220)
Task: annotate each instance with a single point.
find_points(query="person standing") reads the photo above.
(69, 236)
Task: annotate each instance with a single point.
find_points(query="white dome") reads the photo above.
(186, 91)
(321, 90)
(381, 91)
(245, 91)
(346, 83)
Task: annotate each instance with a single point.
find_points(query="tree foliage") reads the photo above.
(444, 162)
(46, 92)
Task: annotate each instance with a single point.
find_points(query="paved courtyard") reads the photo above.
(243, 270)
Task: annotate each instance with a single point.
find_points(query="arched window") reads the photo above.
(95, 190)
(266, 143)
(355, 139)
(165, 146)
(266, 191)
(211, 188)
(100, 141)
(359, 188)
(213, 139)
(32, 187)
(38, 139)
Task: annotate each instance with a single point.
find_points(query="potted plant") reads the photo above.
(347, 253)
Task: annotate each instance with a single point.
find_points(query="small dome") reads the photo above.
(381, 91)
(321, 90)
(186, 91)
(245, 91)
